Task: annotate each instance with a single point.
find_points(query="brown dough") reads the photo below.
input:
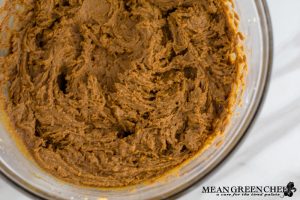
(115, 92)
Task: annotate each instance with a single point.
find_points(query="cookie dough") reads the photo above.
(110, 93)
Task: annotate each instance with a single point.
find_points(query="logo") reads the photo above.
(251, 191)
(289, 189)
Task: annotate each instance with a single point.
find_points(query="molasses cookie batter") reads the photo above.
(115, 92)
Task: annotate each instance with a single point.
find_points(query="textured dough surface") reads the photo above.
(110, 93)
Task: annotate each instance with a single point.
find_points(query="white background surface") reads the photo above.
(270, 154)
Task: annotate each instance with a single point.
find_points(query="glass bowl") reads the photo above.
(255, 23)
